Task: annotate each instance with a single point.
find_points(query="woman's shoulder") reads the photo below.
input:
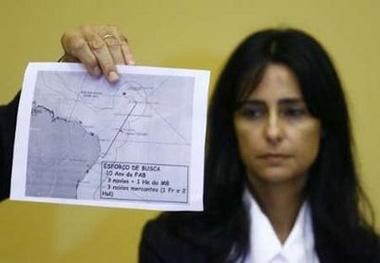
(368, 244)
(362, 246)
(377, 251)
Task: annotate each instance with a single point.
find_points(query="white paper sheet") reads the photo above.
(138, 143)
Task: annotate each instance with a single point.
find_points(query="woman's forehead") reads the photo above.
(278, 82)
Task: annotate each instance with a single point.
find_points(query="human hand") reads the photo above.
(99, 47)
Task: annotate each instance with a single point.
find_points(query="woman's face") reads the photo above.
(278, 138)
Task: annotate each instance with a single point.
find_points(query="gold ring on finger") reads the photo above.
(106, 36)
(111, 40)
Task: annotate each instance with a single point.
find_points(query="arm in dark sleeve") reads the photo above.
(159, 244)
(8, 115)
(149, 244)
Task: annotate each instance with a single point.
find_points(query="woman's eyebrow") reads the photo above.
(253, 102)
(291, 101)
(295, 100)
(261, 103)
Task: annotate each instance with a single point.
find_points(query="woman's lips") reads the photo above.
(275, 158)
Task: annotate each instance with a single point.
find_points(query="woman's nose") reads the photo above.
(274, 130)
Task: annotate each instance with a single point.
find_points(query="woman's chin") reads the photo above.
(275, 176)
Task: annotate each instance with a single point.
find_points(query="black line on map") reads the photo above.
(120, 129)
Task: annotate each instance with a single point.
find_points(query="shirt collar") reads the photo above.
(264, 243)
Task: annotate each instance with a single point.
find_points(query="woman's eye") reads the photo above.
(294, 112)
(253, 113)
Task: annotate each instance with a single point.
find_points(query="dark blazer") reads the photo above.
(158, 244)
(8, 115)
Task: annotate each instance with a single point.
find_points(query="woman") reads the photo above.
(280, 179)
(279, 130)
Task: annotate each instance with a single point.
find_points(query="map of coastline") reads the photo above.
(56, 172)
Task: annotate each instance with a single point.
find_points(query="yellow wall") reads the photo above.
(196, 33)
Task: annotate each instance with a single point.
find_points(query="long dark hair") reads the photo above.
(332, 186)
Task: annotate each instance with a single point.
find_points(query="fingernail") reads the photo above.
(97, 71)
(113, 77)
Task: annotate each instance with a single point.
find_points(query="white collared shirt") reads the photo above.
(265, 247)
